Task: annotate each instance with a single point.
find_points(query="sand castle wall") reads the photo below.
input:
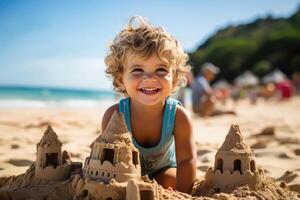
(112, 161)
(232, 161)
(228, 180)
(121, 153)
(107, 171)
(61, 172)
(131, 190)
(42, 153)
(99, 190)
(137, 190)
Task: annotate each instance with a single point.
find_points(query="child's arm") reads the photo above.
(107, 115)
(185, 151)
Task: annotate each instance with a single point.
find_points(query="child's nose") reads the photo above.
(149, 77)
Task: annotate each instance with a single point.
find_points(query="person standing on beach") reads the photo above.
(146, 64)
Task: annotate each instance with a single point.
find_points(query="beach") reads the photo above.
(272, 130)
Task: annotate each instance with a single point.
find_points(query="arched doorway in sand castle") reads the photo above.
(252, 166)
(237, 165)
(220, 164)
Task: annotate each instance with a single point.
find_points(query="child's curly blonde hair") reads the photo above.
(142, 41)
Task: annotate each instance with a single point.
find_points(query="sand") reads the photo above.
(272, 129)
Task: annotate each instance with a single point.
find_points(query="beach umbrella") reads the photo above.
(275, 76)
(246, 79)
(222, 83)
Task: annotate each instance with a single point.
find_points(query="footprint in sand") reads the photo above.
(19, 162)
(288, 140)
(259, 145)
(14, 146)
(297, 152)
(287, 155)
(267, 131)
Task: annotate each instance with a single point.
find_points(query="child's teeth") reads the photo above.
(149, 89)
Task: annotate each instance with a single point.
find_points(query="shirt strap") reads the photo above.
(124, 107)
(169, 117)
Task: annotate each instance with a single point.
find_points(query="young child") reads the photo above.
(146, 64)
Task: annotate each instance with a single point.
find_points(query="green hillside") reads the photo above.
(259, 46)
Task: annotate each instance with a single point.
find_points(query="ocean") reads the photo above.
(42, 97)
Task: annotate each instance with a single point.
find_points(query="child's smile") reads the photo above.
(148, 81)
(149, 91)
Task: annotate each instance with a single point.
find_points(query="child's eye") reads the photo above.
(162, 71)
(137, 71)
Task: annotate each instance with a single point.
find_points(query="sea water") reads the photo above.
(43, 97)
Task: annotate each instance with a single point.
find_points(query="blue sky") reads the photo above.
(62, 43)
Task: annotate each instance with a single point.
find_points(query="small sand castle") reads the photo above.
(113, 156)
(234, 165)
(113, 170)
(51, 164)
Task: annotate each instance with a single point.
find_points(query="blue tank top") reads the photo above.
(162, 155)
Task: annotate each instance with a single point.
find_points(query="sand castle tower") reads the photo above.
(234, 164)
(50, 164)
(113, 170)
(113, 156)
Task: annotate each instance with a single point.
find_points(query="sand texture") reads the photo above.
(270, 129)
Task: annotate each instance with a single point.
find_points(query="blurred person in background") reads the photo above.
(203, 97)
(268, 91)
(284, 89)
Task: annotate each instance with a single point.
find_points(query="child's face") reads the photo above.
(147, 81)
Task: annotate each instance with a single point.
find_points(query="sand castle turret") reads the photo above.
(113, 170)
(234, 164)
(50, 163)
(113, 155)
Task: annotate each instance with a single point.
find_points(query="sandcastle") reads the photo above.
(113, 156)
(115, 160)
(234, 165)
(51, 164)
